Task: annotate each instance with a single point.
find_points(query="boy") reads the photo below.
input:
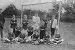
(10, 36)
(53, 23)
(35, 39)
(17, 31)
(23, 35)
(46, 38)
(13, 23)
(25, 22)
(30, 32)
(17, 34)
(36, 21)
(42, 32)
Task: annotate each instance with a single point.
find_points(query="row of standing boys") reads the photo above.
(37, 33)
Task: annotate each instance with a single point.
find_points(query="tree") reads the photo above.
(10, 10)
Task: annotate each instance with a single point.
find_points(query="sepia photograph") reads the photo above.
(37, 24)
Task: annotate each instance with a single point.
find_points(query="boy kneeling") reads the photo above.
(46, 38)
(35, 37)
(10, 37)
(22, 36)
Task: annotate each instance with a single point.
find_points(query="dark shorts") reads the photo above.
(30, 33)
(17, 33)
(52, 32)
(42, 34)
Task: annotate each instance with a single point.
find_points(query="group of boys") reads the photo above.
(35, 34)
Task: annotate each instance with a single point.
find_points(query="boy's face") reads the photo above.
(25, 16)
(53, 17)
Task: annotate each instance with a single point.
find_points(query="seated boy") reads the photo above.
(35, 39)
(57, 39)
(17, 31)
(46, 38)
(10, 36)
(42, 33)
(17, 34)
(22, 37)
(30, 32)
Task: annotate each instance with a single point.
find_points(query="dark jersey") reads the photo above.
(17, 33)
(25, 23)
(13, 23)
(30, 33)
(35, 36)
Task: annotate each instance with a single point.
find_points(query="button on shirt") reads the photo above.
(54, 24)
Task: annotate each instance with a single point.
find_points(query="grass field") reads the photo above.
(67, 31)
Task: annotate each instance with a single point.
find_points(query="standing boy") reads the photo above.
(25, 22)
(36, 21)
(53, 23)
(13, 23)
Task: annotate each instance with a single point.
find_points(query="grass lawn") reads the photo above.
(67, 31)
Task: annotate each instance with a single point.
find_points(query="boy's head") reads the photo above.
(53, 17)
(13, 17)
(25, 16)
(30, 28)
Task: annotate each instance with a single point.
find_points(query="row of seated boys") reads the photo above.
(34, 37)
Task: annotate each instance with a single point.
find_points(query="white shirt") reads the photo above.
(54, 24)
(36, 22)
(36, 19)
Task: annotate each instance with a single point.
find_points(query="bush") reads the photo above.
(68, 18)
